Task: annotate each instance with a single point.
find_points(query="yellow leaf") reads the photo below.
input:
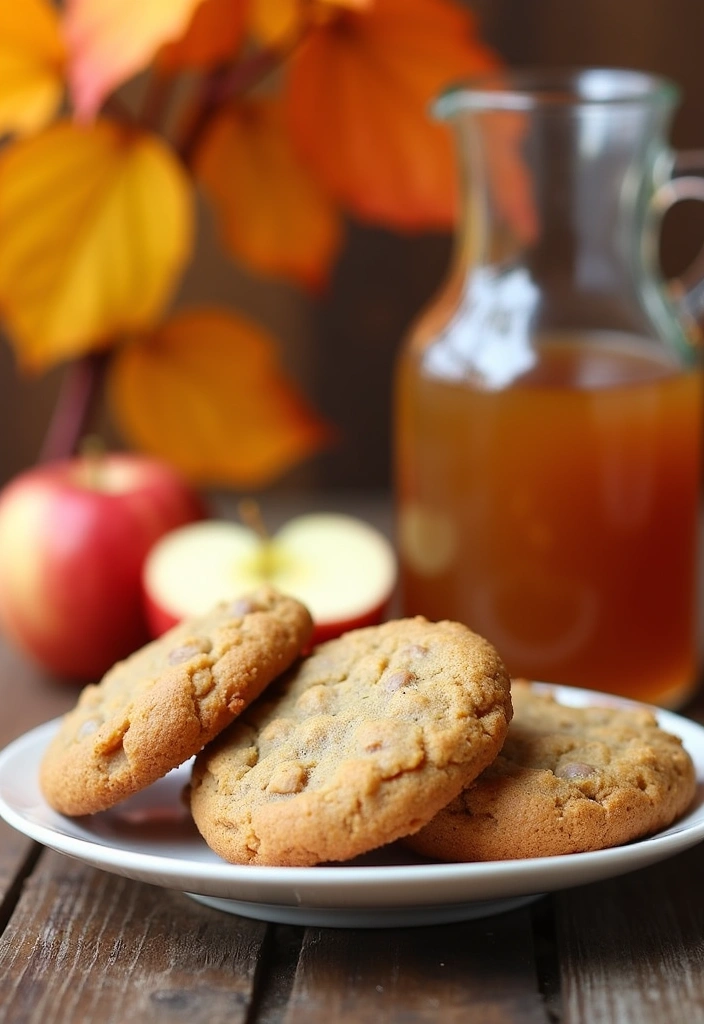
(272, 214)
(214, 34)
(206, 392)
(31, 65)
(111, 40)
(96, 224)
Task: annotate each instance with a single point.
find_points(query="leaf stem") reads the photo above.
(79, 396)
(115, 108)
(225, 83)
(156, 100)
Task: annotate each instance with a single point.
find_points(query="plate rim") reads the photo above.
(332, 886)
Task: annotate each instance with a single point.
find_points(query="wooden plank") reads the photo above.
(631, 949)
(14, 852)
(87, 946)
(27, 698)
(476, 972)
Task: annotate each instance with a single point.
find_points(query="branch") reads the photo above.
(115, 107)
(224, 84)
(156, 100)
(82, 386)
(79, 396)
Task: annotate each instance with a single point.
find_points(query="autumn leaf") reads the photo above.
(96, 224)
(273, 22)
(111, 40)
(350, 5)
(31, 65)
(358, 98)
(206, 392)
(271, 213)
(214, 34)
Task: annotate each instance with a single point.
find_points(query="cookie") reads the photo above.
(568, 780)
(362, 742)
(154, 710)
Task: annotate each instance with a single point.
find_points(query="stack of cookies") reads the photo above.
(407, 731)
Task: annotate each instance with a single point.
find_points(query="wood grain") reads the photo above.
(27, 698)
(88, 947)
(480, 972)
(632, 949)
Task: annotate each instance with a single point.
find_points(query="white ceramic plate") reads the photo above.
(150, 838)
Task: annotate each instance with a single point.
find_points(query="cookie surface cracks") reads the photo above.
(158, 708)
(567, 780)
(361, 743)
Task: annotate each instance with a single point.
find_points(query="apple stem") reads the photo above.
(80, 392)
(91, 450)
(251, 516)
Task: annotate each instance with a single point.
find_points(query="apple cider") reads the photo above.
(558, 515)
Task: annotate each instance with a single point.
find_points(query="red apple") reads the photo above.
(73, 538)
(341, 568)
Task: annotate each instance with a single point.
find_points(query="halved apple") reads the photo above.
(342, 568)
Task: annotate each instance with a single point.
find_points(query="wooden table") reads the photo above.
(80, 946)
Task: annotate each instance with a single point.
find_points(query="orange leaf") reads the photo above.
(322, 10)
(215, 33)
(352, 5)
(273, 21)
(111, 40)
(31, 65)
(205, 391)
(272, 214)
(358, 108)
(96, 224)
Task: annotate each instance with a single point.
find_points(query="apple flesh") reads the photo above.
(73, 538)
(340, 567)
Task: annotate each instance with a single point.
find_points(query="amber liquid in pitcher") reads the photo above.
(558, 516)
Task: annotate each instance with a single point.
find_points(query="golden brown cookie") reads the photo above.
(567, 780)
(157, 708)
(362, 742)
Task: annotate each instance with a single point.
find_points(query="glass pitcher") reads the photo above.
(548, 403)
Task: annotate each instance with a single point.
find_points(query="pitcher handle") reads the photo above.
(686, 181)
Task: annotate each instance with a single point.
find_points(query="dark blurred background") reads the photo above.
(341, 348)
